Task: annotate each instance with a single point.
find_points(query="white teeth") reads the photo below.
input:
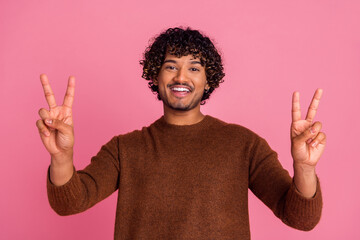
(180, 89)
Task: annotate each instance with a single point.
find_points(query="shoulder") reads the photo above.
(135, 136)
(235, 137)
(234, 130)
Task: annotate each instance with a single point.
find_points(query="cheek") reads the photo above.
(161, 87)
(161, 84)
(203, 83)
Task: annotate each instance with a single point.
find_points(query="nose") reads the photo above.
(180, 76)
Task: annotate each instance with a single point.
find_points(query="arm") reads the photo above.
(88, 186)
(272, 184)
(296, 201)
(71, 191)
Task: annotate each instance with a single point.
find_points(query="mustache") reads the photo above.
(180, 84)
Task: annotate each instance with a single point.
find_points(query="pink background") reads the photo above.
(270, 49)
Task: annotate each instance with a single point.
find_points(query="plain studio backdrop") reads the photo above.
(270, 49)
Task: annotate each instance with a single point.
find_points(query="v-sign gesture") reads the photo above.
(307, 140)
(56, 124)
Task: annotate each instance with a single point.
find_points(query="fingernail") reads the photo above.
(49, 121)
(46, 133)
(309, 141)
(312, 130)
(314, 144)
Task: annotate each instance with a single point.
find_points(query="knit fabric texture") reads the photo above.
(186, 182)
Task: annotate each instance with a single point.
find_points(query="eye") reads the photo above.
(194, 69)
(170, 67)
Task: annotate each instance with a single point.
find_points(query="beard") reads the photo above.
(181, 106)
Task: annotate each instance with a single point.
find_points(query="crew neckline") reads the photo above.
(204, 123)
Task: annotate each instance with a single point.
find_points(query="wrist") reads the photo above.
(62, 159)
(304, 169)
(305, 179)
(61, 173)
(61, 168)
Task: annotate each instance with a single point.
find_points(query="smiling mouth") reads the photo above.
(180, 88)
(180, 91)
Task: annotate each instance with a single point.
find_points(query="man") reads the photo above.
(187, 175)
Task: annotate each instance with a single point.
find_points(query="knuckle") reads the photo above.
(321, 137)
(319, 123)
(317, 126)
(312, 108)
(40, 124)
(69, 95)
(43, 112)
(48, 94)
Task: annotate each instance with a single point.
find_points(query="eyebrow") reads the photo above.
(196, 62)
(174, 61)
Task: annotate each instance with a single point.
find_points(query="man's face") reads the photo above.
(181, 82)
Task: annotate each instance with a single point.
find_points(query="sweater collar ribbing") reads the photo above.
(161, 124)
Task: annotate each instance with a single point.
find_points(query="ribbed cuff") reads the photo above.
(63, 198)
(300, 212)
(304, 206)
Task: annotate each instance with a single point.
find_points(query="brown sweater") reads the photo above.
(186, 182)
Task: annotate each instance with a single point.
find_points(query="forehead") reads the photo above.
(182, 59)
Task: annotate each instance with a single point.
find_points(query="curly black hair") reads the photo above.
(181, 42)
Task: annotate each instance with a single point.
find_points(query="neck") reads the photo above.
(177, 117)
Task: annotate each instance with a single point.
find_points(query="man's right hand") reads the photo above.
(56, 131)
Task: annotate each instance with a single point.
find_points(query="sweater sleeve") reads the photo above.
(272, 184)
(88, 186)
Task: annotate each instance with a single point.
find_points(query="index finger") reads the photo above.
(296, 112)
(70, 91)
(49, 95)
(314, 105)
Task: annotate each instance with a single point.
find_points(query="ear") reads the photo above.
(207, 87)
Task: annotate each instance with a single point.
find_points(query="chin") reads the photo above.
(179, 106)
(183, 108)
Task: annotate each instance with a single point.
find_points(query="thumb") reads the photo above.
(59, 125)
(309, 134)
